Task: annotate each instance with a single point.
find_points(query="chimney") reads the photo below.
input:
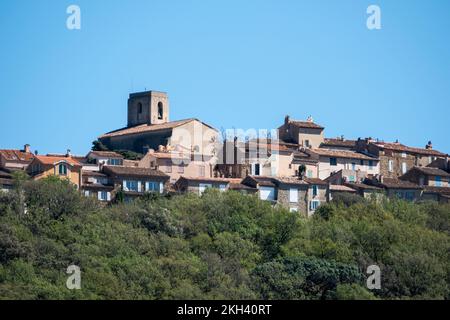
(287, 119)
(26, 148)
(310, 119)
(429, 146)
(68, 154)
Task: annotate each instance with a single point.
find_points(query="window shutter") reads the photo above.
(124, 185)
(108, 196)
(161, 187)
(99, 195)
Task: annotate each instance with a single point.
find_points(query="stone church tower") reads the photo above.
(149, 107)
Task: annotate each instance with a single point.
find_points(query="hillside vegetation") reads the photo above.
(218, 246)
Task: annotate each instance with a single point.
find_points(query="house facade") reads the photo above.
(134, 181)
(176, 164)
(306, 134)
(397, 159)
(298, 195)
(60, 166)
(331, 161)
(16, 159)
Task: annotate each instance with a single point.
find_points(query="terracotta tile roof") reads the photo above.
(206, 179)
(261, 180)
(432, 171)
(363, 186)
(106, 154)
(391, 183)
(402, 148)
(134, 172)
(315, 181)
(440, 190)
(16, 155)
(150, 128)
(343, 154)
(52, 160)
(290, 180)
(342, 188)
(305, 124)
(93, 174)
(330, 142)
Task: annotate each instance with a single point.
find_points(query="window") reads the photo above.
(160, 110)
(293, 210)
(409, 195)
(391, 165)
(370, 164)
(103, 195)
(315, 191)
(256, 169)
(313, 205)
(131, 186)
(309, 174)
(361, 162)
(114, 162)
(139, 108)
(351, 179)
(333, 162)
(267, 193)
(354, 166)
(180, 169)
(62, 169)
(293, 195)
(202, 187)
(403, 155)
(152, 186)
(438, 181)
(307, 143)
(222, 187)
(201, 171)
(168, 169)
(404, 167)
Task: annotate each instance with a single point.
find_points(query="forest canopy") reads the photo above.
(222, 245)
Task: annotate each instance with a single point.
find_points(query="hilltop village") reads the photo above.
(299, 169)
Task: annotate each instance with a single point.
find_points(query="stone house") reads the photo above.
(64, 167)
(177, 164)
(338, 189)
(346, 175)
(306, 134)
(134, 181)
(16, 159)
(297, 195)
(149, 128)
(428, 176)
(395, 188)
(331, 161)
(198, 185)
(365, 190)
(395, 158)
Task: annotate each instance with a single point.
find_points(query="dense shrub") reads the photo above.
(218, 246)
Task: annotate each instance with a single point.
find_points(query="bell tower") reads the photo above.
(149, 107)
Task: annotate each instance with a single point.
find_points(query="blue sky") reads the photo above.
(242, 64)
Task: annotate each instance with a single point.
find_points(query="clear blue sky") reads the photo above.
(243, 64)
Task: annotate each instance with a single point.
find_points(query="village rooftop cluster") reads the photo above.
(297, 168)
